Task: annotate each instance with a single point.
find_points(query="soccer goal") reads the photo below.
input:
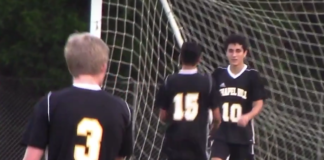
(287, 48)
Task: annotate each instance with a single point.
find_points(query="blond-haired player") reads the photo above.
(81, 122)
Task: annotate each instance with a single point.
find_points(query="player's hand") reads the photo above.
(243, 121)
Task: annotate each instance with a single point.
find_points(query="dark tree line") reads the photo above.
(32, 37)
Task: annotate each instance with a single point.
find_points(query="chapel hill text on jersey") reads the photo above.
(233, 91)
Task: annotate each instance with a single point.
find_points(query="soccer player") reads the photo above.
(81, 122)
(242, 96)
(185, 99)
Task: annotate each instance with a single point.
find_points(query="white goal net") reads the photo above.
(287, 48)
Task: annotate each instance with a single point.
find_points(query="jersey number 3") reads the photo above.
(91, 150)
(187, 110)
(231, 113)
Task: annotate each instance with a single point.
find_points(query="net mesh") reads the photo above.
(286, 39)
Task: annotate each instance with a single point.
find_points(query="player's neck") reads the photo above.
(237, 68)
(184, 67)
(86, 79)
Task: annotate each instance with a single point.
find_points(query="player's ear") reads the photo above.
(104, 67)
(198, 60)
(245, 53)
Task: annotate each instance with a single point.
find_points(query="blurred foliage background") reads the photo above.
(32, 37)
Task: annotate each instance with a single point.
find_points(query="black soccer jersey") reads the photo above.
(81, 122)
(238, 92)
(187, 98)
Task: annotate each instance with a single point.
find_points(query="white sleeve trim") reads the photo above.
(129, 113)
(48, 106)
(211, 81)
(166, 80)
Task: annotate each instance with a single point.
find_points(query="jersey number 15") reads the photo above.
(187, 110)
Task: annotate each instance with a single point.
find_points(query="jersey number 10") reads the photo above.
(231, 113)
(187, 110)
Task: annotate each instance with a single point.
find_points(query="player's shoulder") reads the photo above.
(219, 70)
(170, 77)
(66, 94)
(223, 69)
(252, 72)
(124, 108)
(179, 76)
(71, 91)
(123, 104)
(102, 95)
(250, 69)
(41, 103)
(53, 96)
(81, 90)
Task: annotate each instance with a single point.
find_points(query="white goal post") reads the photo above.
(287, 48)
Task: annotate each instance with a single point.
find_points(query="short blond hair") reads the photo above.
(85, 54)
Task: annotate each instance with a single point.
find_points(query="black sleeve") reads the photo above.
(127, 143)
(214, 96)
(215, 74)
(162, 99)
(36, 133)
(258, 91)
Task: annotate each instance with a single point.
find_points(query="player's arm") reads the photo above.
(258, 95)
(127, 143)
(216, 118)
(162, 101)
(36, 134)
(214, 98)
(126, 149)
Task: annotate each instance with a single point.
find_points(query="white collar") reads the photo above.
(188, 71)
(87, 86)
(238, 74)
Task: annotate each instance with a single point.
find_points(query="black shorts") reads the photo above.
(187, 150)
(182, 155)
(222, 150)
